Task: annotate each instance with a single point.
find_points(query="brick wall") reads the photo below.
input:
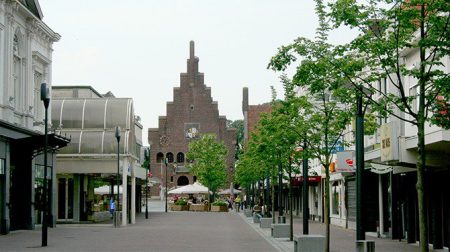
(192, 107)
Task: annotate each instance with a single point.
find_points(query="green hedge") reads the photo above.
(220, 203)
(181, 202)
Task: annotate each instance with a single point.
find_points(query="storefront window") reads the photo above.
(38, 193)
(335, 197)
(2, 189)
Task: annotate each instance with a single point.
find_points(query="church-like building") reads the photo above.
(191, 114)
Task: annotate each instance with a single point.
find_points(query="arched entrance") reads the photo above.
(182, 180)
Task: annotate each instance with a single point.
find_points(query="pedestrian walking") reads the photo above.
(237, 201)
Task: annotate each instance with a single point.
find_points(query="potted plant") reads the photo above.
(180, 205)
(219, 206)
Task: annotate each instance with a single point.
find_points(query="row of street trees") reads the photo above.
(331, 77)
(403, 42)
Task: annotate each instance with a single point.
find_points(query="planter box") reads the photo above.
(198, 207)
(219, 209)
(309, 243)
(280, 230)
(265, 222)
(180, 207)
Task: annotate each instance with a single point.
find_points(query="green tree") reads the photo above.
(401, 41)
(323, 111)
(209, 161)
(278, 140)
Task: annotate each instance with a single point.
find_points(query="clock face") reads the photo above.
(164, 140)
(191, 130)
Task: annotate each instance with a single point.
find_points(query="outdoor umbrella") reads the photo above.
(227, 191)
(195, 188)
(106, 190)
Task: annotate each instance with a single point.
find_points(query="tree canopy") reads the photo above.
(208, 161)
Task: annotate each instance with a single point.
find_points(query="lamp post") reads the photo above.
(359, 145)
(305, 191)
(45, 97)
(165, 191)
(117, 135)
(147, 157)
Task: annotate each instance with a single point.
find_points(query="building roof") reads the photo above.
(90, 123)
(33, 6)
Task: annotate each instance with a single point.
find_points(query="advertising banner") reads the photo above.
(346, 161)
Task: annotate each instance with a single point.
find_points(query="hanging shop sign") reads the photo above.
(389, 141)
(345, 161)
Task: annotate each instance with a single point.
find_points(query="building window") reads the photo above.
(171, 178)
(2, 167)
(169, 157)
(159, 157)
(180, 157)
(16, 87)
(37, 96)
(195, 178)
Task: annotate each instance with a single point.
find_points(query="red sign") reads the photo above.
(311, 180)
(349, 161)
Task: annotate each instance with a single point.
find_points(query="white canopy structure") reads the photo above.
(228, 191)
(195, 188)
(106, 190)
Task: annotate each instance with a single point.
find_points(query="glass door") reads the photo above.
(2, 196)
(65, 199)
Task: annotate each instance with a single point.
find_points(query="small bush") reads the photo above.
(220, 203)
(181, 202)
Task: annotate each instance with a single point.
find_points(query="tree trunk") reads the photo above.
(326, 211)
(420, 187)
(273, 202)
(421, 164)
(291, 218)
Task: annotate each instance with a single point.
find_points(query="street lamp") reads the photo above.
(305, 191)
(45, 97)
(147, 157)
(117, 134)
(165, 191)
(359, 146)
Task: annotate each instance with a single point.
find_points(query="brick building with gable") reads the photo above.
(191, 114)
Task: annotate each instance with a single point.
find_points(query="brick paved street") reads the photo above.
(173, 231)
(340, 239)
(181, 231)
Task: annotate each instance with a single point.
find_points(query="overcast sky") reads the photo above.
(138, 48)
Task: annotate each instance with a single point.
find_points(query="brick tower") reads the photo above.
(192, 113)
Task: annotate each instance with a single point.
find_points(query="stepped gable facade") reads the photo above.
(191, 114)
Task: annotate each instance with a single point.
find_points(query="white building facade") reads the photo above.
(25, 62)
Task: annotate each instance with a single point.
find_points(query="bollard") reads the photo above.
(365, 246)
(116, 219)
